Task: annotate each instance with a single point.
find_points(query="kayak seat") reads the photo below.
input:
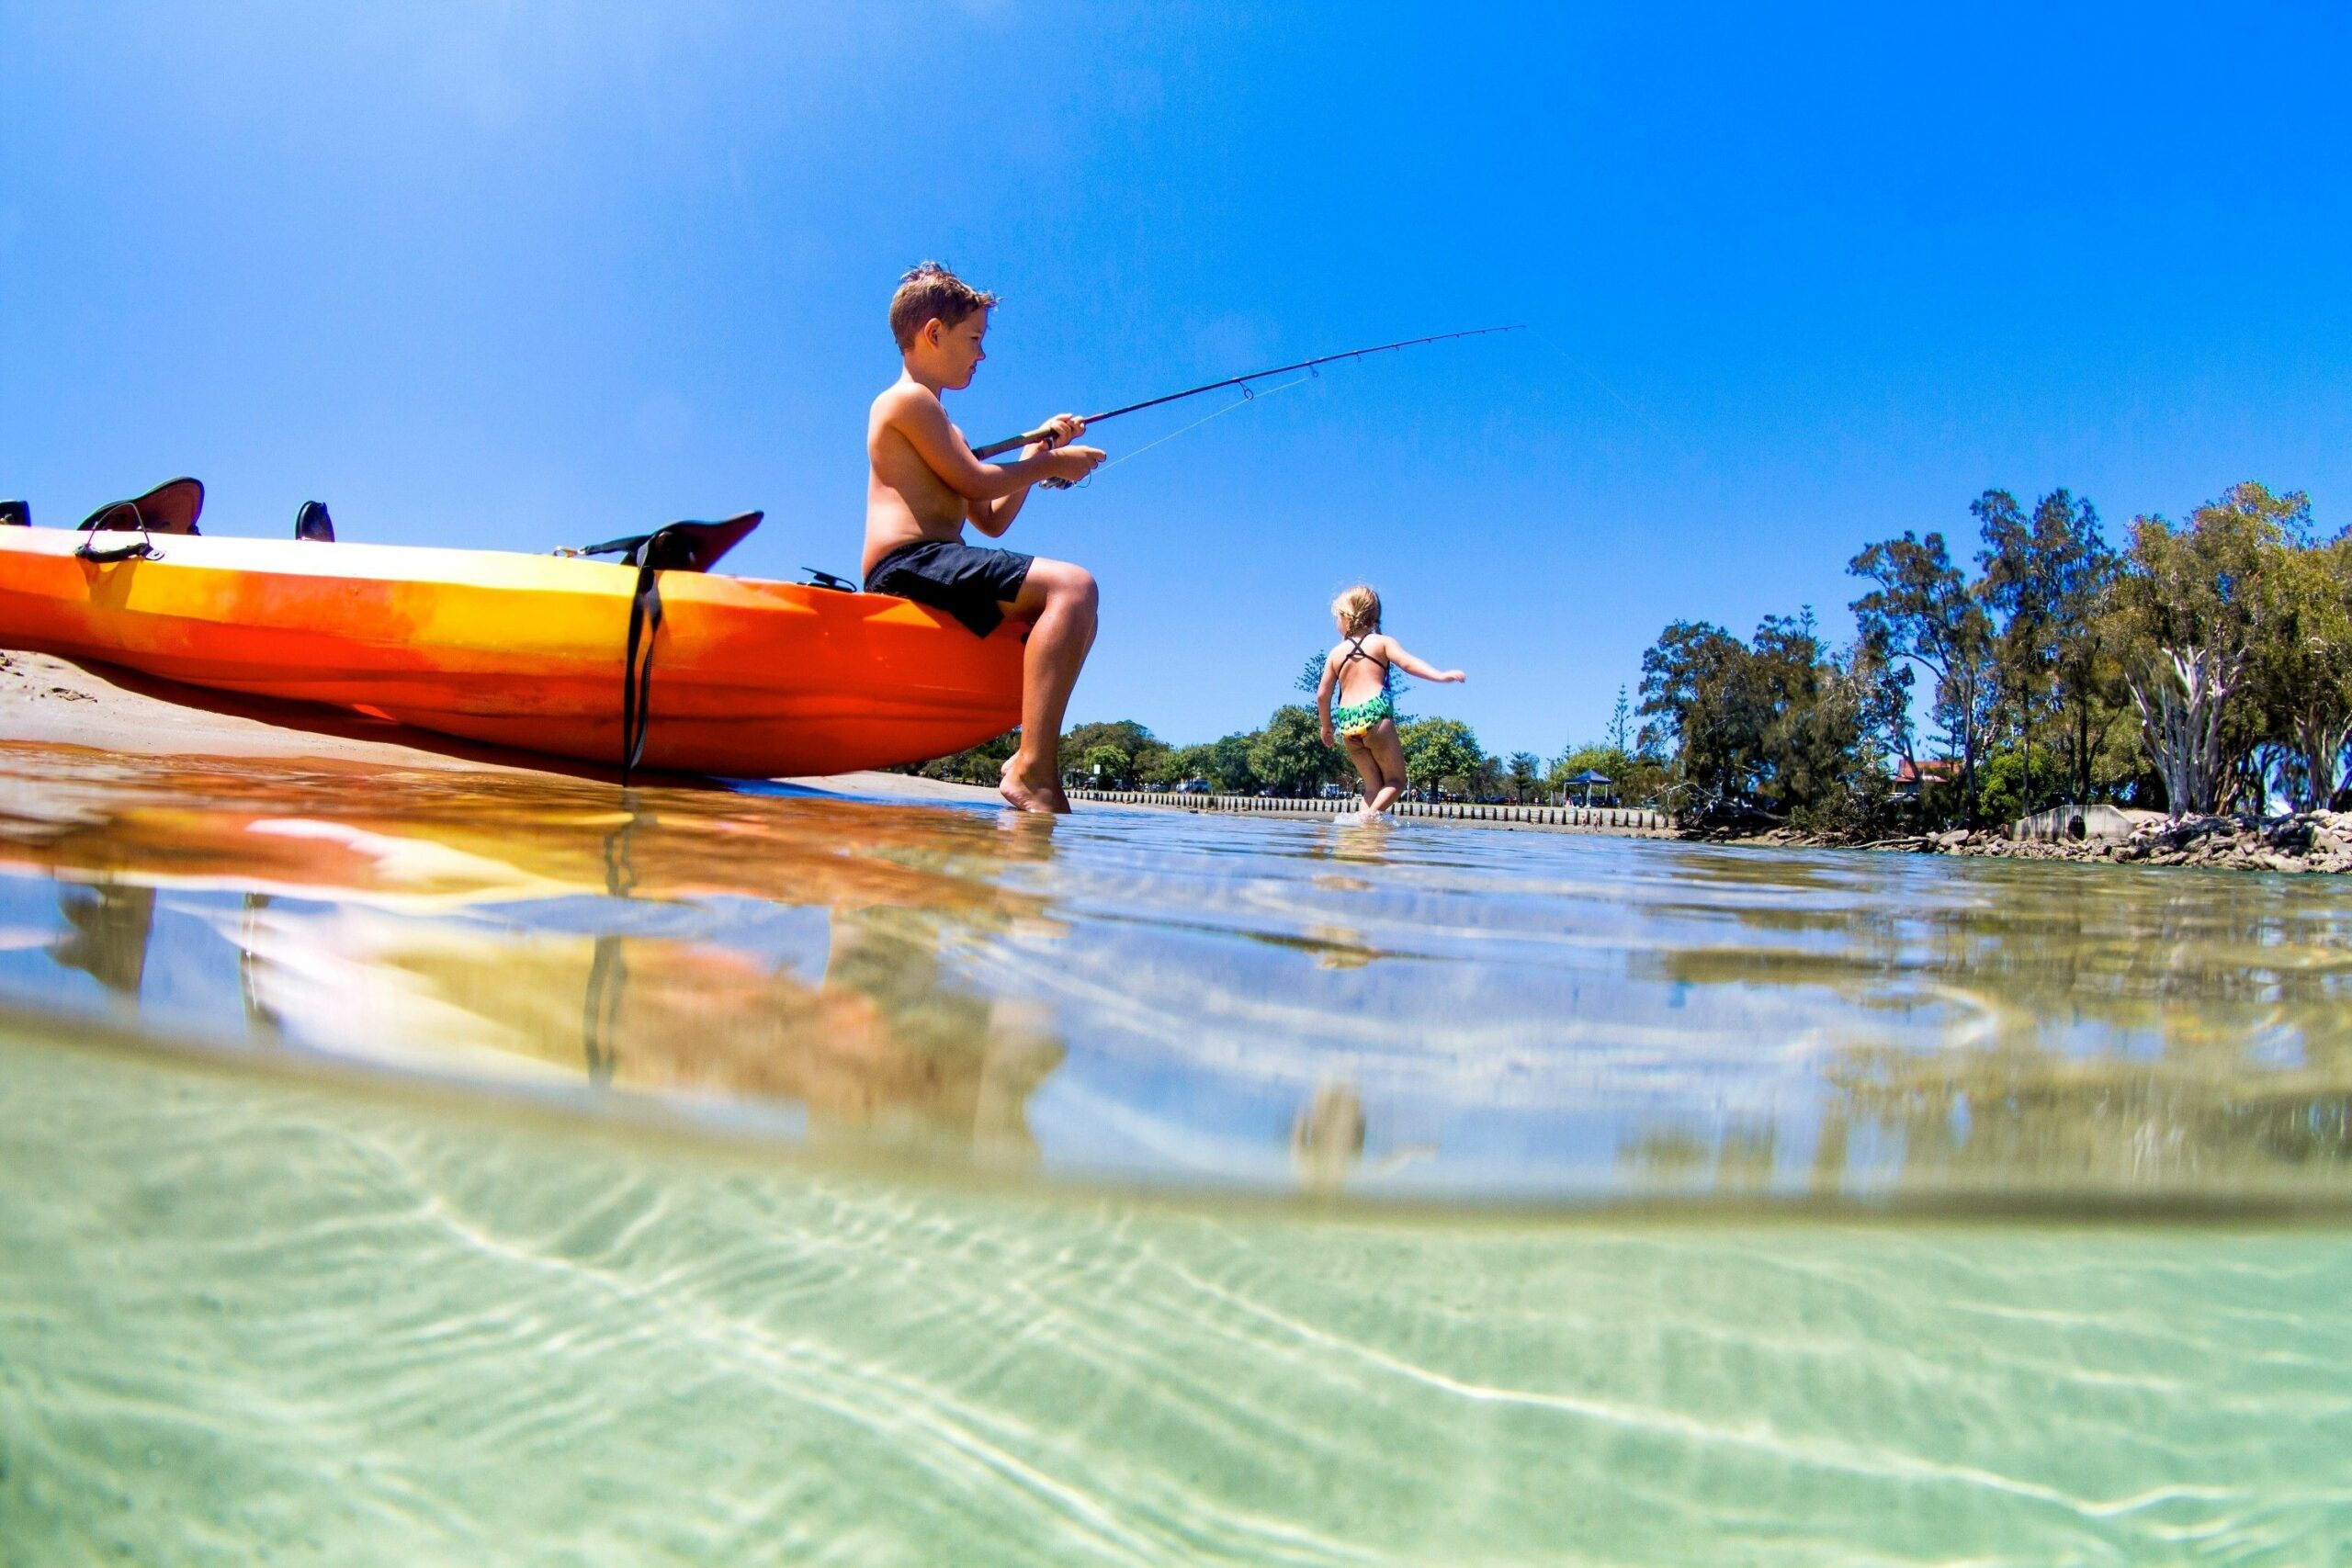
(171, 507)
(15, 514)
(311, 522)
(678, 546)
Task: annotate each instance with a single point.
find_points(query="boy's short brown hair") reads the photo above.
(931, 292)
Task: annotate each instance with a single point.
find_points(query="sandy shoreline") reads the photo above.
(51, 700)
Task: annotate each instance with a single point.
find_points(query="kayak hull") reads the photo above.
(751, 679)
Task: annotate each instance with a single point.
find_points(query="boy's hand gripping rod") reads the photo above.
(996, 447)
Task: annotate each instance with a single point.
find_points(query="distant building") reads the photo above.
(1909, 778)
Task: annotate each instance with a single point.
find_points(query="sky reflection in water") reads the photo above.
(1417, 1012)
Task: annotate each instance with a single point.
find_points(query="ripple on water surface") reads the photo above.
(426, 1251)
(1419, 1011)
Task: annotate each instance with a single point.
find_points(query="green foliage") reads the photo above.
(1441, 753)
(1310, 677)
(2048, 576)
(1522, 777)
(1104, 766)
(1231, 768)
(1289, 756)
(1621, 724)
(2300, 666)
(1636, 778)
(1924, 609)
(1154, 767)
(1771, 725)
(2016, 782)
(2196, 626)
(1224, 764)
(980, 764)
(1128, 754)
(1191, 762)
(2202, 665)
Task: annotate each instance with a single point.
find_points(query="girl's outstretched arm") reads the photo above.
(1412, 666)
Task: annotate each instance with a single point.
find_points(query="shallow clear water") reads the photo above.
(448, 1167)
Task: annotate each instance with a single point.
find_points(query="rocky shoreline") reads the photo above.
(2304, 841)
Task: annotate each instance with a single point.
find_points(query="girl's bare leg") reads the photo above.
(1367, 766)
(1380, 741)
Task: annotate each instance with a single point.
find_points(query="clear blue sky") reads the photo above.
(522, 276)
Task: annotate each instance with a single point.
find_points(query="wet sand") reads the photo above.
(57, 701)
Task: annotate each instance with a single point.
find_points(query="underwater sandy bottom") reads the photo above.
(251, 1318)
(422, 1165)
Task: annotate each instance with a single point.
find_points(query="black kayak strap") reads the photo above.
(637, 674)
(679, 547)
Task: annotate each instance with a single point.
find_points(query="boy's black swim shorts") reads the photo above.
(950, 575)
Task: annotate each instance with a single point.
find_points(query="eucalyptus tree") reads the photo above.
(2302, 663)
(1694, 705)
(1772, 724)
(2189, 608)
(1881, 684)
(2046, 576)
(1809, 740)
(1924, 609)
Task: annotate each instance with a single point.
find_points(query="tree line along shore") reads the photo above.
(2200, 669)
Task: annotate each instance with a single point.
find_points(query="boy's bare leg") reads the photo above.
(1058, 601)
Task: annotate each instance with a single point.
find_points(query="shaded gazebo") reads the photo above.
(1590, 777)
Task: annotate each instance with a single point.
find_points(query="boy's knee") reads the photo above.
(1073, 584)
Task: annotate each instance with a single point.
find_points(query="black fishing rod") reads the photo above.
(1008, 443)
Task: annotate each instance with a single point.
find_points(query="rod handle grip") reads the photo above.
(1010, 443)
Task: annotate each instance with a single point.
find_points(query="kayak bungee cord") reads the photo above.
(995, 448)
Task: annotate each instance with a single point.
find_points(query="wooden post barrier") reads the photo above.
(1589, 818)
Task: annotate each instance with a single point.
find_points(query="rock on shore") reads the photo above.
(2309, 840)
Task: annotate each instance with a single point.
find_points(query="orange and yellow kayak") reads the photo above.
(749, 679)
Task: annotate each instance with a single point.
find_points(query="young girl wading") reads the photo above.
(1353, 701)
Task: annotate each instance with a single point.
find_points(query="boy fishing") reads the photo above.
(925, 485)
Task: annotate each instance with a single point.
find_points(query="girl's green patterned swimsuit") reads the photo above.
(1357, 717)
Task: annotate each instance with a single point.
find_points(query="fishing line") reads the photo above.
(1246, 398)
(1586, 371)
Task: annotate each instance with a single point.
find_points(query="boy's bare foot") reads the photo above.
(1024, 792)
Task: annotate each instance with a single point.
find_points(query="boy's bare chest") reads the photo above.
(899, 468)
